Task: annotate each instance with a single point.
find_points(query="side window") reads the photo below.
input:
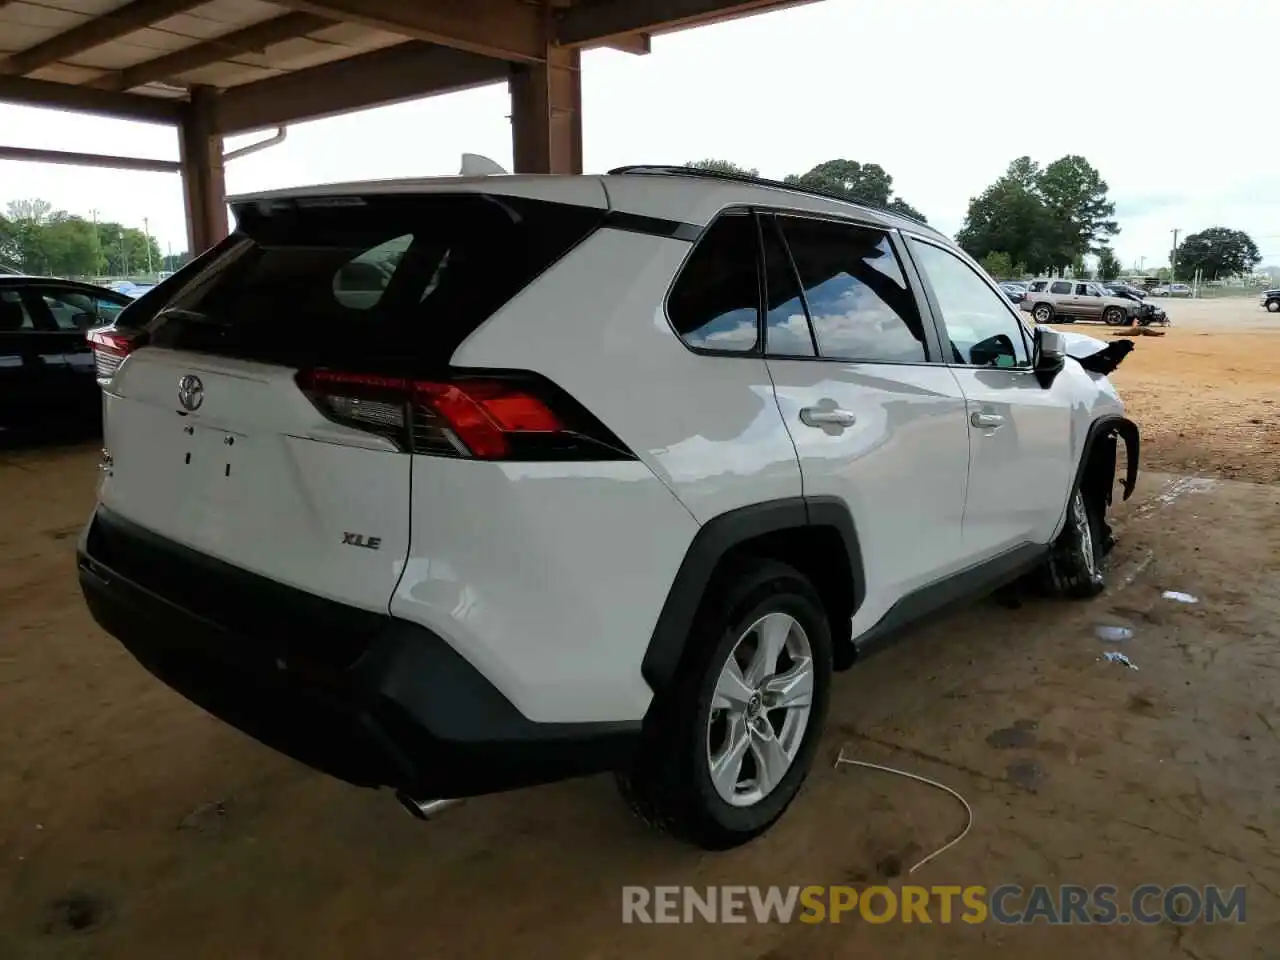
(715, 303)
(13, 313)
(361, 282)
(1060, 287)
(859, 303)
(1082, 290)
(70, 309)
(978, 321)
(786, 326)
(1038, 286)
(107, 310)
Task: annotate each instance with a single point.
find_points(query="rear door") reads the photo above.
(68, 312)
(1021, 453)
(220, 437)
(31, 366)
(877, 421)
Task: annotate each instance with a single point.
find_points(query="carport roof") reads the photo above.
(289, 60)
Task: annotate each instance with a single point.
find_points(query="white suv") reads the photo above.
(461, 485)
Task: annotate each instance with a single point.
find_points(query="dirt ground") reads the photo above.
(132, 825)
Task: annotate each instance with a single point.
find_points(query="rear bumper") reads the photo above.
(368, 698)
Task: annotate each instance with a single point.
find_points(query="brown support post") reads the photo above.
(546, 113)
(204, 186)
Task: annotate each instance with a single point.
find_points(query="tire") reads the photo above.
(1042, 312)
(669, 782)
(1075, 563)
(1273, 306)
(1113, 316)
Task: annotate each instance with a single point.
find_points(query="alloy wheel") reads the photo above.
(760, 709)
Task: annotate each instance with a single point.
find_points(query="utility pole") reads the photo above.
(1173, 257)
(146, 229)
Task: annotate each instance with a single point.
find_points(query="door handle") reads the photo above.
(827, 417)
(986, 421)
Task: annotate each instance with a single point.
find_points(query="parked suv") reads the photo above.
(1066, 301)
(1271, 300)
(460, 485)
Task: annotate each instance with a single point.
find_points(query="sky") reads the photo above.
(1174, 101)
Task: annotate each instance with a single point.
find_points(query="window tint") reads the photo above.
(1082, 290)
(13, 313)
(1060, 286)
(1038, 286)
(73, 310)
(786, 325)
(715, 304)
(361, 282)
(858, 300)
(978, 321)
(331, 280)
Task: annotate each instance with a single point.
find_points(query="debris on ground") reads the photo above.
(1179, 597)
(1021, 734)
(1112, 634)
(207, 818)
(925, 780)
(1115, 656)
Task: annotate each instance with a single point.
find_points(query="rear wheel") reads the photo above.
(1113, 316)
(1273, 306)
(727, 748)
(1075, 565)
(1042, 312)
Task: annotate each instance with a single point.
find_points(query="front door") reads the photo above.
(1021, 463)
(31, 366)
(878, 423)
(1089, 303)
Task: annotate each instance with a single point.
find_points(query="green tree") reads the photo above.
(1108, 264)
(1010, 217)
(1076, 197)
(175, 261)
(1078, 267)
(723, 166)
(999, 264)
(866, 183)
(1046, 218)
(125, 249)
(70, 246)
(1219, 252)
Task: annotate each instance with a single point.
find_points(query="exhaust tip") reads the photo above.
(423, 809)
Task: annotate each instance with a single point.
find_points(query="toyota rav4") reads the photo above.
(460, 485)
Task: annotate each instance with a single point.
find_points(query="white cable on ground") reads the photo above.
(933, 783)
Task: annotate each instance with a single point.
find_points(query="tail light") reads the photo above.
(110, 347)
(516, 416)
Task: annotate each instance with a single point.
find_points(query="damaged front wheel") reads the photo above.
(1075, 565)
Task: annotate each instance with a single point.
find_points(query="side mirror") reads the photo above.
(994, 351)
(1050, 355)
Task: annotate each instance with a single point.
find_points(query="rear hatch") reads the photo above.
(224, 430)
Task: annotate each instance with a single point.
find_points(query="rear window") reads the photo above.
(318, 280)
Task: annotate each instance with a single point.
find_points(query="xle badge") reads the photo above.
(360, 540)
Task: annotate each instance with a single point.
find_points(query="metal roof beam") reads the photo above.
(64, 96)
(103, 28)
(407, 71)
(588, 24)
(251, 39)
(506, 29)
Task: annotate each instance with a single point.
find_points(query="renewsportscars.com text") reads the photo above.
(1006, 904)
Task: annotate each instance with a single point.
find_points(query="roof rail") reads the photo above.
(669, 170)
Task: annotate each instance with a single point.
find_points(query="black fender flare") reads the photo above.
(1105, 428)
(713, 541)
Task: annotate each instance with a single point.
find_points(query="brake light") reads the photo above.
(508, 417)
(110, 347)
(110, 341)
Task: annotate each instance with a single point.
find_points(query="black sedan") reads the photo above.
(47, 373)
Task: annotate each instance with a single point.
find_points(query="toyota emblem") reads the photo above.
(190, 392)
